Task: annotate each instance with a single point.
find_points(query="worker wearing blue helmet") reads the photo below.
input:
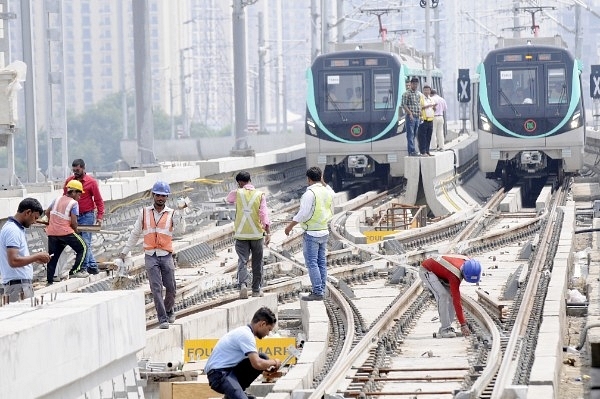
(156, 224)
(442, 275)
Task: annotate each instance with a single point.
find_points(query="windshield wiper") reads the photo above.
(563, 96)
(386, 103)
(344, 119)
(509, 103)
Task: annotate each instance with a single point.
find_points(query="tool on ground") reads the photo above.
(438, 335)
(272, 376)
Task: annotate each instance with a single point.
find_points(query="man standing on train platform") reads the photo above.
(427, 115)
(90, 202)
(15, 261)
(316, 210)
(62, 231)
(441, 107)
(411, 104)
(442, 275)
(157, 224)
(251, 231)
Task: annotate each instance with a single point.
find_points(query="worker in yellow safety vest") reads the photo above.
(251, 232)
(316, 210)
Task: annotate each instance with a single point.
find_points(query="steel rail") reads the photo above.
(337, 374)
(509, 362)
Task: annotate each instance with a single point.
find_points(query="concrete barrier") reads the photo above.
(70, 345)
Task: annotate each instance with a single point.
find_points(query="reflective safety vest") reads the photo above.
(59, 223)
(427, 114)
(158, 234)
(453, 264)
(322, 209)
(247, 224)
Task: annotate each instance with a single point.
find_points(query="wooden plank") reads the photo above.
(187, 390)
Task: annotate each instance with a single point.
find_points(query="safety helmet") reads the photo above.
(75, 185)
(471, 271)
(161, 188)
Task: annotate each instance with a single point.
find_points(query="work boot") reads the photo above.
(447, 333)
(243, 292)
(171, 316)
(312, 297)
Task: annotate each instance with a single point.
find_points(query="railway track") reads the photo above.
(380, 352)
(489, 363)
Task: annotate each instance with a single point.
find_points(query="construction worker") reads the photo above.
(156, 223)
(316, 210)
(252, 231)
(15, 260)
(442, 275)
(235, 362)
(62, 231)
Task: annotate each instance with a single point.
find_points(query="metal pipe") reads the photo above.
(582, 338)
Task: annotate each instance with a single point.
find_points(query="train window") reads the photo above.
(382, 86)
(340, 63)
(517, 86)
(512, 57)
(557, 86)
(344, 92)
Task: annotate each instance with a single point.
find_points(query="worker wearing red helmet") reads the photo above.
(442, 275)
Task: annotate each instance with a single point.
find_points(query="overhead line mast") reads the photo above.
(378, 12)
(533, 10)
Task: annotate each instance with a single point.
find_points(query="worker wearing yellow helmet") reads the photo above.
(75, 185)
(62, 231)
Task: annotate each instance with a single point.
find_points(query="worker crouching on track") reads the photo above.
(442, 275)
(235, 362)
(156, 224)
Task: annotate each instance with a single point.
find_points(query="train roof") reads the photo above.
(406, 55)
(554, 41)
(527, 48)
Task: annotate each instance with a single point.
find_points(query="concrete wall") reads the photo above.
(124, 184)
(64, 348)
(208, 148)
(167, 345)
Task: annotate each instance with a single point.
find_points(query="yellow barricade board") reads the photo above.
(275, 348)
(377, 235)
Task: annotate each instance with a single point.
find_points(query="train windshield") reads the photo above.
(345, 92)
(382, 85)
(557, 86)
(517, 86)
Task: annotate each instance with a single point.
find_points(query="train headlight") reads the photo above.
(311, 127)
(576, 120)
(400, 127)
(485, 123)
(357, 161)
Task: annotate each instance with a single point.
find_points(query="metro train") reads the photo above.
(353, 128)
(530, 113)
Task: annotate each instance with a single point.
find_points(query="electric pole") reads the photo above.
(143, 82)
(239, 78)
